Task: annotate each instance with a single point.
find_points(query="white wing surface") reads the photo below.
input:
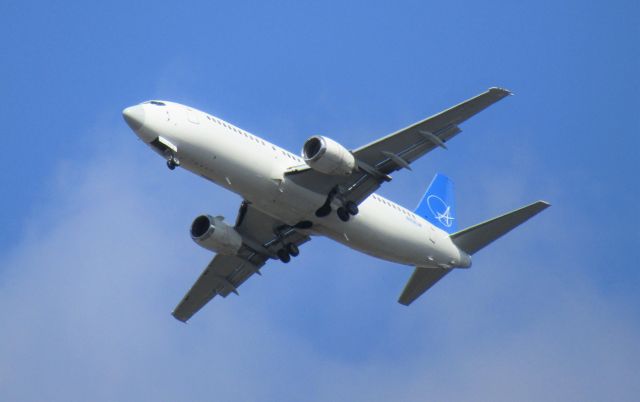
(225, 273)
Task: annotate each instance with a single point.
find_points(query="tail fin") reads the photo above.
(438, 204)
(477, 237)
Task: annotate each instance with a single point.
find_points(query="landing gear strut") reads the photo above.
(325, 209)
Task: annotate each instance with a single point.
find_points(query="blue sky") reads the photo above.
(94, 242)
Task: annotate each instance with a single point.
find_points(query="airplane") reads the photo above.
(327, 191)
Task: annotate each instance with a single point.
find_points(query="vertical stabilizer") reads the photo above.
(438, 204)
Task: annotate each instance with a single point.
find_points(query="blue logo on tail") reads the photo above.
(440, 210)
(438, 204)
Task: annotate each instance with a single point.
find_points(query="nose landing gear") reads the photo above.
(172, 162)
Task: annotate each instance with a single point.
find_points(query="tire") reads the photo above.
(171, 165)
(293, 250)
(343, 214)
(352, 208)
(283, 255)
(303, 225)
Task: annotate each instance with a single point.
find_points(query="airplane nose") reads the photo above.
(134, 116)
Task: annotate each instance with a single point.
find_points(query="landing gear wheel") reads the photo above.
(352, 208)
(293, 250)
(283, 255)
(303, 225)
(172, 162)
(343, 214)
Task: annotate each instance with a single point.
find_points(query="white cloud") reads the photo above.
(87, 293)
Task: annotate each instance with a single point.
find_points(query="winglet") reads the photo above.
(179, 317)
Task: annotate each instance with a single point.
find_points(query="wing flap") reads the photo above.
(211, 282)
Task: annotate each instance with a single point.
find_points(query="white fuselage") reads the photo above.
(255, 169)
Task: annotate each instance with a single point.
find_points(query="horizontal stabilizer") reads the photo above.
(421, 280)
(477, 237)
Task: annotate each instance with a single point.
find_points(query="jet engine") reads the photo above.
(327, 156)
(215, 235)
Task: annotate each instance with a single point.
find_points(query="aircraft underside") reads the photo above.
(329, 191)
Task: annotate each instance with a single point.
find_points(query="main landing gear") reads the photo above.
(349, 209)
(344, 212)
(288, 251)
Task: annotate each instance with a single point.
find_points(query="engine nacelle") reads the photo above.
(327, 156)
(215, 235)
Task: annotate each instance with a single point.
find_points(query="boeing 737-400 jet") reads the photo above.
(329, 191)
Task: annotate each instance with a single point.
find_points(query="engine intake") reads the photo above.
(327, 156)
(215, 235)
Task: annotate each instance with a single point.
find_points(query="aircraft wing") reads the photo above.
(225, 273)
(397, 150)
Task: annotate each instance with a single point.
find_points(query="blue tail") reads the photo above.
(438, 204)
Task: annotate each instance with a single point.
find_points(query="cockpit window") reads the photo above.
(157, 103)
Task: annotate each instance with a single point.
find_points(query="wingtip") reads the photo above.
(182, 320)
(503, 91)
